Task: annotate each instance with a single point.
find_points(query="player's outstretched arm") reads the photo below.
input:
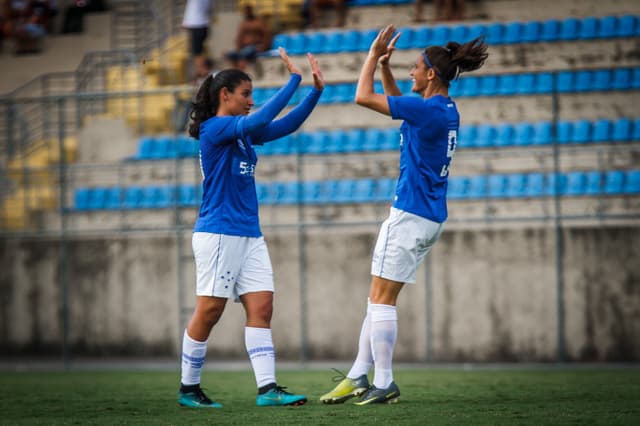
(388, 81)
(365, 94)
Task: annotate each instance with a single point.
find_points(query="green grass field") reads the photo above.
(429, 396)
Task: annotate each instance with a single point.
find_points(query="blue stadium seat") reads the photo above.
(523, 134)
(459, 33)
(535, 185)
(531, 32)
(543, 83)
(440, 35)
(470, 86)
(635, 78)
(555, 184)
(593, 184)
(564, 131)
(363, 190)
(507, 84)
(568, 29)
(281, 40)
(457, 187)
(607, 27)
(576, 183)
(366, 37)
(477, 187)
(525, 83)
(582, 132)
(504, 135)
(148, 199)
(188, 147)
(286, 192)
(311, 192)
(485, 135)
(626, 26)
(372, 140)
(488, 85)
(602, 80)
(187, 195)
(542, 133)
(298, 43)
(97, 198)
(550, 30)
(81, 199)
(145, 148)
(345, 92)
(421, 37)
(512, 33)
(351, 41)
(343, 191)
(588, 28)
(613, 182)
(583, 81)
(406, 39)
(621, 79)
(632, 182)
(335, 42)
(467, 135)
(635, 135)
(113, 198)
(621, 130)
(602, 130)
(475, 30)
(336, 142)
(516, 185)
(132, 197)
(164, 148)
(565, 81)
(495, 33)
(354, 140)
(385, 190)
(497, 186)
(317, 143)
(391, 139)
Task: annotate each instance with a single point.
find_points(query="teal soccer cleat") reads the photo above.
(381, 396)
(278, 396)
(196, 398)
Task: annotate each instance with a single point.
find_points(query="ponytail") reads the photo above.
(207, 99)
(455, 58)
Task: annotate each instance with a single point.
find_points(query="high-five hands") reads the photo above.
(318, 79)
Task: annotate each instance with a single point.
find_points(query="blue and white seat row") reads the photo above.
(495, 33)
(540, 83)
(370, 190)
(338, 141)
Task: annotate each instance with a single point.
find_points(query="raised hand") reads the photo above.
(287, 61)
(380, 44)
(384, 59)
(318, 79)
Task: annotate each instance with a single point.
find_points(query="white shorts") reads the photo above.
(229, 266)
(404, 240)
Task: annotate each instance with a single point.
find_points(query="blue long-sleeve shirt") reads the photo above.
(228, 161)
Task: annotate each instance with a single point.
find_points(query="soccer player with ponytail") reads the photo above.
(428, 137)
(230, 253)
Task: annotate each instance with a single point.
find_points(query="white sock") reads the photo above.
(384, 331)
(259, 344)
(193, 354)
(364, 359)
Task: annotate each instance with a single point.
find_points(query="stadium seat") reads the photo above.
(555, 184)
(621, 79)
(475, 30)
(97, 198)
(188, 147)
(406, 39)
(602, 80)
(459, 33)
(113, 198)
(467, 135)
(635, 78)
(575, 183)
(477, 187)
(535, 185)
(542, 133)
(632, 182)
(147, 200)
(351, 41)
(391, 139)
(523, 134)
(507, 84)
(602, 130)
(488, 85)
(497, 186)
(145, 148)
(583, 81)
(298, 43)
(311, 192)
(531, 32)
(564, 131)
(588, 28)
(512, 33)
(565, 81)
(582, 132)
(613, 182)
(457, 187)
(470, 86)
(286, 192)
(363, 190)
(187, 195)
(317, 142)
(354, 140)
(626, 26)
(516, 185)
(281, 40)
(593, 184)
(607, 27)
(485, 135)
(132, 197)
(525, 83)
(385, 190)
(550, 30)
(621, 130)
(543, 83)
(421, 37)
(440, 35)
(504, 135)
(568, 29)
(635, 135)
(335, 41)
(366, 37)
(342, 191)
(494, 33)
(81, 199)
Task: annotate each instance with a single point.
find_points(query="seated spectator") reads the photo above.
(311, 11)
(27, 22)
(253, 38)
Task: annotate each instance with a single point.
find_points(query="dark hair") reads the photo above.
(207, 100)
(455, 58)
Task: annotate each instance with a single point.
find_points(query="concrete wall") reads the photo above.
(493, 296)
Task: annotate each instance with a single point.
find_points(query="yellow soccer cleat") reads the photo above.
(346, 389)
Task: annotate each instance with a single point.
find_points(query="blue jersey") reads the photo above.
(428, 139)
(228, 161)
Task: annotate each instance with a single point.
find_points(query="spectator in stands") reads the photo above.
(311, 11)
(232, 260)
(196, 20)
(446, 10)
(27, 22)
(427, 145)
(253, 37)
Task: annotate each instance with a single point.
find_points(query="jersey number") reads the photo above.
(452, 141)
